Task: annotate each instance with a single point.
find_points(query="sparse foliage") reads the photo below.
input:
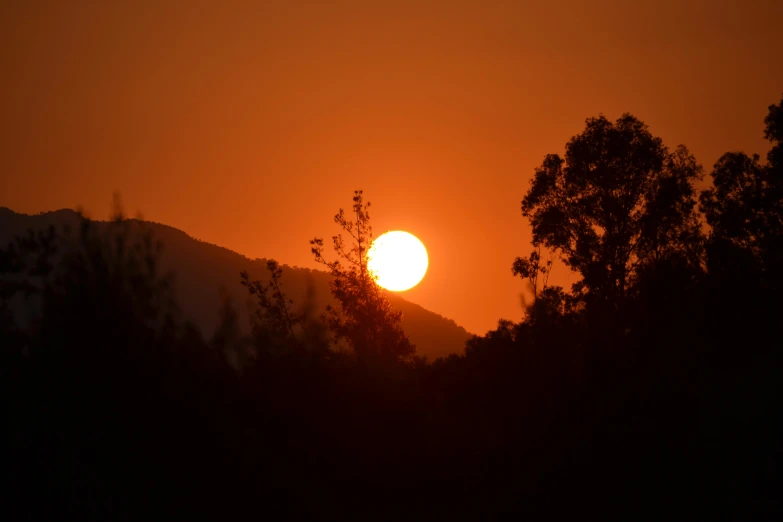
(365, 318)
(273, 313)
(533, 270)
(548, 300)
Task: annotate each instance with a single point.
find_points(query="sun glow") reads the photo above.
(398, 260)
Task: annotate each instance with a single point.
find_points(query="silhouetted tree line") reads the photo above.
(650, 390)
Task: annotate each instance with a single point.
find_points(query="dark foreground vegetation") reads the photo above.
(650, 390)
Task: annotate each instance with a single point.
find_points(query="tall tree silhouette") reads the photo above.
(773, 131)
(365, 319)
(745, 205)
(617, 201)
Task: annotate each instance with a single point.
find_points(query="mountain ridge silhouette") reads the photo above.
(200, 286)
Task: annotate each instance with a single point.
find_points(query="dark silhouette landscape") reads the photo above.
(367, 260)
(133, 387)
(205, 274)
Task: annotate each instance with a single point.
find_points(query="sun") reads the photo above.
(398, 260)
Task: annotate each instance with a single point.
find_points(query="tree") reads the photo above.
(365, 319)
(773, 131)
(617, 201)
(548, 301)
(744, 207)
(532, 270)
(734, 206)
(273, 314)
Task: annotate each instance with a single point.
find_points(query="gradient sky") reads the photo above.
(248, 124)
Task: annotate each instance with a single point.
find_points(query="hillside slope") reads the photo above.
(203, 271)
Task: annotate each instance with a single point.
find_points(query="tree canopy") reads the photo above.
(618, 200)
(744, 207)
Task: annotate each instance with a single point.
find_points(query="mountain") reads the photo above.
(204, 273)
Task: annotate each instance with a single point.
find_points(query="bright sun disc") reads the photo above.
(398, 260)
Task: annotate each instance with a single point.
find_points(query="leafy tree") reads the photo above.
(365, 320)
(617, 201)
(744, 207)
(773, 131)
(734, 206)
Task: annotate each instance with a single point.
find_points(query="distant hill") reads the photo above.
(203, 270)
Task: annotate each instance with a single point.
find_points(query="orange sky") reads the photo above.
(248, 124)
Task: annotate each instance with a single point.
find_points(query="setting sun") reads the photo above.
(398, 260)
